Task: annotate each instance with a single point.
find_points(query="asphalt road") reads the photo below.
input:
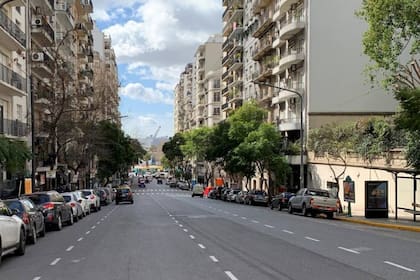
(168, 235)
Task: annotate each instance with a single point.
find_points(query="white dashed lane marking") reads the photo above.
(288, 231)
(69, 248)
(400, 266)
(80, 239)
(201, 246)
(312, 239)
(269, 226)
(230, 275)
(54, 262)
(87, 232)
(37, 278)
(213, 258)
(349, 250)
(192, 236)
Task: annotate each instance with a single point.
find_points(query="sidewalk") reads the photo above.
(401, 224)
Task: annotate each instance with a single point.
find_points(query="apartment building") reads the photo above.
(183, 100)
(310, 47)
(206, 83)
(14, 95)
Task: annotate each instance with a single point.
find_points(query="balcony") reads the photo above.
(86, 71)
(285, 5)
(291, 123)
(266, 94)
(225, 90)
(42, 32)
(226, 61)
(265, 23)
(264, 47)
(11, 36)
(13, 128)
(293, 56)
(266, 70)
(259, 5)
(63, 14)
(87, 6)
(284, 94)
(42, 65)
(236, 33)
(227, 45)
(226, 107)
(236, 64)
(45, 6)
(292, 26)
(89, 22)
(11, 83)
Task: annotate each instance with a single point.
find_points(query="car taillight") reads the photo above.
(48, 205)
(72, 204)
(25, 218)
(92, 197)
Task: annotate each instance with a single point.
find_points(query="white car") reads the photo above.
(93, 198)
(12, 232)
(76, 207)
(83, 201)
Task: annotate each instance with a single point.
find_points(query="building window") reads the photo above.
(1, 119)
(216, 111)
(19, 112)
(216, 97)
(18, 9)
(216, 83)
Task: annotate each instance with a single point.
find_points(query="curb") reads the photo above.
(376, 224)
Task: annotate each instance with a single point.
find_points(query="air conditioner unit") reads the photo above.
(37, 21)
(38, 56)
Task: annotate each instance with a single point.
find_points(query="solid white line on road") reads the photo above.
(230, 275)
(69, 248)
(243, 218)
(87, 232)
(269, 226)
(288, 231)
(186, 230)
(312, 239)
(192, 236)
(201, 246)
(213, 258)
(255, 221)
(400, 266)
(80, 239)
(349, 250)
(54, 262)
(93, 227)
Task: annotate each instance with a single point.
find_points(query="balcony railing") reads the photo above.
(12, 78)
(13, 127)
(12, 28)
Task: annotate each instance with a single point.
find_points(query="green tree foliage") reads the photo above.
(115, 150)
(172, 150)
(13, 155)
(196, 143)
(393, 28)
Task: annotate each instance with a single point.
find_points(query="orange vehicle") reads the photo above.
(207, 190)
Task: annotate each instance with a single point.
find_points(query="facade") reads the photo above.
(183, 100)
(14, 92)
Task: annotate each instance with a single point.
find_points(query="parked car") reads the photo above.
(232, 195)
(141, 183)
(55, 210)
(109, 198)
(159, 180)
(93, 198)
(124, 194)
(31, 216)
(198, 190)
(183, 185)
(12, 232)
(224, 194)
(240, 197)
(76, 207)
(83, 201)
(256, 197)
(207, 190)
(212, 194)
(313, 201)
(281, 201)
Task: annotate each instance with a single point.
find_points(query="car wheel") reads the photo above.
(76, 218)
(42, 233)
(20, 251)
(71, 221)
(290, 210)
(117, 202)
(33, 237)
(304, 210)
(313, 214)
(132, 201)
(330, 215)
(59, 225)
(271, 206)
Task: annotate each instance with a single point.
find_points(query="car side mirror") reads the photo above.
(15, 211)
(80, 201)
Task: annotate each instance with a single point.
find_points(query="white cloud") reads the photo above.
(148, 95)
(142, 126)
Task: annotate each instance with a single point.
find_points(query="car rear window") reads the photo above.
(39, 199)
(67, 198)
(86, 193)
(123, 190)
(319, 193)
(14, 204)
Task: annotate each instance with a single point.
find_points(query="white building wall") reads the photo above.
(336, 61)
(320, 174)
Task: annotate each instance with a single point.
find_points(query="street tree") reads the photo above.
(13, 155)
(173, 153)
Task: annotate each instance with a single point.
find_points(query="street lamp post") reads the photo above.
(301, 167)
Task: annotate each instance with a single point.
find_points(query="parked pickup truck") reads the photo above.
(313, 201)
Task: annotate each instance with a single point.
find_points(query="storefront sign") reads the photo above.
(349, 192)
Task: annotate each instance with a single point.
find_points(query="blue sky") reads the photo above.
(153, 41)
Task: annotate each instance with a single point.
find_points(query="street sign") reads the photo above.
(51, 174)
